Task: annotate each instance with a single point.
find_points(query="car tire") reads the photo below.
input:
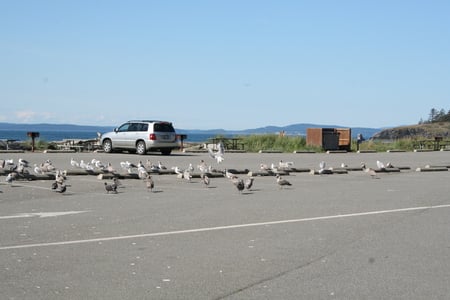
(141, 148)
(166, 151)
(107, 146)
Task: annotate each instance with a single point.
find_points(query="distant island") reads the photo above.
(294, 129)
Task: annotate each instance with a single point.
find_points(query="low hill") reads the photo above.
(420, 131)
(293, 129)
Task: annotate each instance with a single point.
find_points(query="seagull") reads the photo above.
(264, 167)
(23, 163)
(11, 177)
(369, 171)
(48, 166)
(152, 167)
(111, 188)
(205, 179)
(150, 184)
(62, 188)
(38, 170)
(54, 185)
(322, 166)
(177, 170)
(59, 177)
(142, 171)
(74, 163)
(282, 182)
(187, 175)
(218, 156)
(380, 165)
(389, 165)
(89, 167)
(110, 168)
(249, 182)
(285, 165)
(238, 183)
(127, 166)
(83, 164)
(98, 164)
(8, 163)
(21, 168)
(203, 168)
(161, 166)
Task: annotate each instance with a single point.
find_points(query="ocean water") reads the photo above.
(56, 136)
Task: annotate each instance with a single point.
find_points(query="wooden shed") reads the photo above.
(330, 138)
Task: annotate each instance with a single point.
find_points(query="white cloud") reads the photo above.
(26, 116)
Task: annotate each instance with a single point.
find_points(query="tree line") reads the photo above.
(436, 115)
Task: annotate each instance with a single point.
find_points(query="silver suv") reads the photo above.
(141, 136)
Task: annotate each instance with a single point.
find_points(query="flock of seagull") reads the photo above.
(24, 169)
(143, 171)
(21, 169)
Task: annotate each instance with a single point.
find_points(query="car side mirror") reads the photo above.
(116, 129)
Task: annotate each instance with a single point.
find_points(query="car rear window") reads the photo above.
(163, 127)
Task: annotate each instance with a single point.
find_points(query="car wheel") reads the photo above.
(107, 146)
(140, 148)
(166, 151)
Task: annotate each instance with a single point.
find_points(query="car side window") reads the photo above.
(144, 127)
(124, 127)
(133, 127)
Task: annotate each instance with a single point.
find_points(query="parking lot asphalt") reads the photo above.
(340, 236)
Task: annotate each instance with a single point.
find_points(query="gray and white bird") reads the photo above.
(11, 177)
(24, 163)
(238, 183)
(74, 163)
(161, 166)
(187, 175)
(61, 189)
(149, 183)
(54, 185)
(127, 166)
(38, 170)
(369, 171)
(282, 182)
(142, 171)
(380, 165)
(249, 183)
(111, 188)
(202, 167)
(205, 179)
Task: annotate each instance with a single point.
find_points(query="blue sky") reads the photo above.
(224, 64)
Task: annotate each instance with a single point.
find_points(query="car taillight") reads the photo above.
(152, 137)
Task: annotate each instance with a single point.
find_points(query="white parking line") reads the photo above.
(206, 229)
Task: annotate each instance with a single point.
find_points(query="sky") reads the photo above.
(234, 64)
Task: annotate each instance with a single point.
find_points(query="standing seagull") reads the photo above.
(11, 177)
(111, 188)
(249, 182)
(282, 182)
(62, 189)
(74, 163)
(205, 179)
(380, 165)
(369, 171)
(239, 184)
(150, 184)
